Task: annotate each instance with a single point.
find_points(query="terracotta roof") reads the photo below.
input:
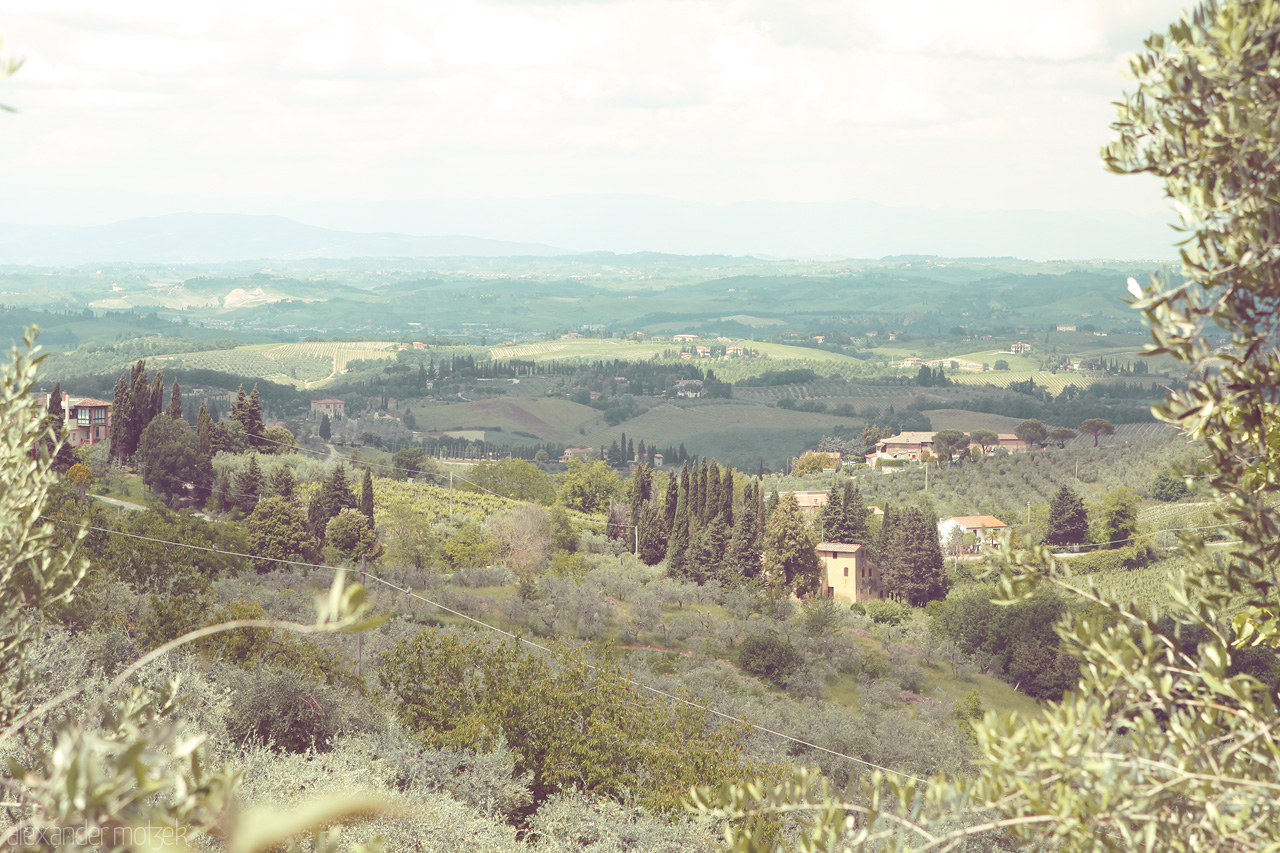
(327, 400)
(837, 546)
(977, 521)
(87, 402)
(910, 438)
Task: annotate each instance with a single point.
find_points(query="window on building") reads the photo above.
(846, 571)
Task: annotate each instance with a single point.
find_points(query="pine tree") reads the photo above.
(334, 496)
(249, 485)
(175, 402)
(366, 496)
(282, 483)
(1068, 520)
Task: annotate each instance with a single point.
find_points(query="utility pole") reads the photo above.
(451, 496)
(360, 635)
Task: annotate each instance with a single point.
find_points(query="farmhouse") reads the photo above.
(689, 388)
(985, 528)
(1066, 327)
(1020, 348)
(684, 338)
(913, 361)
(810, 502)
(583, 453)
(87, 420)
(848, 572)
(904, 445)
(329, 406)
(1011, 442)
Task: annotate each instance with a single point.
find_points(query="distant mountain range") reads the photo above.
(185, 238)
(612, 223)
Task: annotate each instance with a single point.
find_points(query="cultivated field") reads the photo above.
(549, 418)
(305, 365)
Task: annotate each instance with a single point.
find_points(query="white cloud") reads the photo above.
(705, 99)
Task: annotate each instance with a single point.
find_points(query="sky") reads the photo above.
(142, 108)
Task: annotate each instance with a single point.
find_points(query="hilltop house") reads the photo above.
(904, 445)
(87, 420)
(329, 406)
(984, 528)
(848, 572)
(810, 502)
(1020, 348)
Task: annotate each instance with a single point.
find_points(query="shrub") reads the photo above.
(291, 712)
(770, 657)
(887, 611)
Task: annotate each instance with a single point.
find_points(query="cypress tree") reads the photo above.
(366, 496)
(854, 524)
(679, 540)
(121, 409)
(140, 407)
(325, 432)
(669, 502)
(726, 498)
(155, 406)
(831, 516)
(743, 560)
(253, 424)
(1068, 519)
(204, 432)
(790, 553)
(55, 403)
(175, 402)
(711, 501)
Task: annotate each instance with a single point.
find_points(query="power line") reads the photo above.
(481, 623)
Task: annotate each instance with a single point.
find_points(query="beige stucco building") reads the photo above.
(848, 572)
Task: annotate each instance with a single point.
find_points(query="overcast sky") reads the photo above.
(129, 108)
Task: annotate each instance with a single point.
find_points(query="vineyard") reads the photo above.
(1055, 382)
(302, 364)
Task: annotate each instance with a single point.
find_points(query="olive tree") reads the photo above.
(1157, 747)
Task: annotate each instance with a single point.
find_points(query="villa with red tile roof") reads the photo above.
(87, 420)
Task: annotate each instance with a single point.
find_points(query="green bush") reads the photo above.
(292, 712)
(888, 611)
(770, 657)
(1115, 560)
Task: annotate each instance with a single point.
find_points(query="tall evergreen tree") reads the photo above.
(790, 550)
(711, 501)
(334, 496)
(55, 423)
(726, 497)
(55, 403)
(679, 540)
(140, 407)
(175, 402)
(366, 496)
(121, 410)
(743, 560)
(831, 516)
(1068, 519)
(155, 406)
(854, 527)
(249, 485)
(204, 431)
(282, 483)
(325, 429)
(910, 557)
(254, 426)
